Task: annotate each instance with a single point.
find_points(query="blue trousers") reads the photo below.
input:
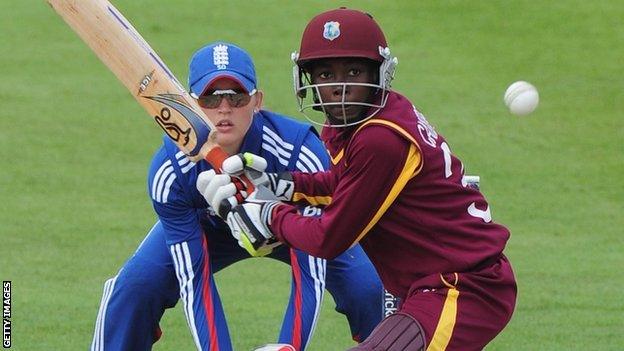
(134, 301)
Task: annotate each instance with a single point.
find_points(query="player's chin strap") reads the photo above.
(398, 332)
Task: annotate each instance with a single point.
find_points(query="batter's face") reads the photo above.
(338, 71)
(232, 123)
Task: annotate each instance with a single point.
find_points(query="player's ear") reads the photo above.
(258, 98)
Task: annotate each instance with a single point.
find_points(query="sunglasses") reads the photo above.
(234, 98)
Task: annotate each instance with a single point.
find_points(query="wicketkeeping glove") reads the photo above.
(250, 223)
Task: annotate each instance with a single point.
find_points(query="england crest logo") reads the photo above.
(331, 30)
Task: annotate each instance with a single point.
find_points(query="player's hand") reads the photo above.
(251, 165)
(250, 223)
(226, 190)
(254, 166)
(221, 191)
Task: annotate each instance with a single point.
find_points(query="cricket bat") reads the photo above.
(120, 47)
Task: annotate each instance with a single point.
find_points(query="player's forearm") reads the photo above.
(340, 227)
(313, 188)
(342, 224)
(359, 200)
(308, 234)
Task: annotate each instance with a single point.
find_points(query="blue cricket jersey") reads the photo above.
(185, 217)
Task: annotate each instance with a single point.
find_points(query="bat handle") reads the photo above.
(215, 157)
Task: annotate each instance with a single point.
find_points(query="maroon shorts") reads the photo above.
(463, 311)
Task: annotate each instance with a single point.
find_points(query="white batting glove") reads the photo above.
(220, 191)
(254, 166)
(250, 223)
(226, 190)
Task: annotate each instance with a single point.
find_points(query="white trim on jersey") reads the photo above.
(277, 138)
(184, 271)
(267, 140)
(273, 150)
(98, 335)
(184, 162)
(302, 168)
(165, 176)
(187, 167)
(272, 143)
(305, 165)
(167, 187)
(310, 159)
(163, 179)
(317, 271)
(157, 177)
(180, 157)
(309, 162)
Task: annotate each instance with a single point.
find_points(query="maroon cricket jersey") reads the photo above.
(395, 187)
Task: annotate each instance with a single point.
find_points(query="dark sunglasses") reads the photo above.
(235, 99)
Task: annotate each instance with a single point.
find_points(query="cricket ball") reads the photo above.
(521, 98)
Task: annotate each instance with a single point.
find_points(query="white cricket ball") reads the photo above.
(521, 98)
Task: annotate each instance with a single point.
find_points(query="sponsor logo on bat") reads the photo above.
(196, 131)
(174, 131)
(145, 82)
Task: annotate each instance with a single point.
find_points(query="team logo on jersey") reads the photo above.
(331, 30)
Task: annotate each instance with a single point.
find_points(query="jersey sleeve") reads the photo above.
(171, 203)
(313, 185)
(380, 162)
(312, 159)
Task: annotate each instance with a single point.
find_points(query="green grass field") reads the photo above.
(75, 148)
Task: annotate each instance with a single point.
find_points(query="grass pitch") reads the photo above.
(75, 148)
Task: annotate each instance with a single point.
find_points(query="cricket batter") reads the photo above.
(394, 187)
(189, 243)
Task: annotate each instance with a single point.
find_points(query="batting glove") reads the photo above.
(254, 166)
(226, 190)
(221, 191)
(250, 223)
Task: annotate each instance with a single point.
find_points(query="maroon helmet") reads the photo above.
(342, 33)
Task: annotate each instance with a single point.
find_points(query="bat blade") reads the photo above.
(124, 51)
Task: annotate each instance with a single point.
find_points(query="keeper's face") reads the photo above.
(231, 109)
(344, 84)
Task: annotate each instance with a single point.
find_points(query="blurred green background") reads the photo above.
(75, 148)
